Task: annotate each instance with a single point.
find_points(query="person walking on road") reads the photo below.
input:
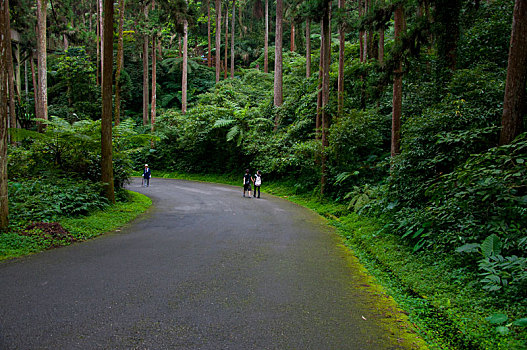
(146, 176)
(257, 183)
(247, 179)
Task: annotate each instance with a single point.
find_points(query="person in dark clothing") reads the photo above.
(257, 183)
(247, 179)
(146, 176)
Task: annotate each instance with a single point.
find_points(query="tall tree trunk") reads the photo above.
(10, 73)
(308, 48)
(98, 47)
(278, 87)
(397, 101)
(42, 60)
(381, 46)
(146, 93)
(266, 40)
(361, 32)
(292, 36)
(514, 99)
(218, 39)
(101, 25)
(4, 51)
(340, 89)
(232, 36)
(185, 68)
(18, 73)
(225, 57)
(120, 62)
(179, 50)
(365, 42)
(325, 116)
(35, 86)
(209, 54)
(106, 120)
(154, 84)
(319, 87)
(26, 82)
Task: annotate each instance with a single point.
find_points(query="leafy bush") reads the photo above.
(434, 144)
(48, 199)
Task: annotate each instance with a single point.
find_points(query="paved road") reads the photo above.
(203, 269)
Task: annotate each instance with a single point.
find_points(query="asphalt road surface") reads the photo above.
(203, 269)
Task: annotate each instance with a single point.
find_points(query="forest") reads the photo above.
(404, 120)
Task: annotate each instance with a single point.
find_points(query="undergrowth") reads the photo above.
(444, 300)
(36, 237)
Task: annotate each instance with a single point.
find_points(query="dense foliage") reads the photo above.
(453, 198)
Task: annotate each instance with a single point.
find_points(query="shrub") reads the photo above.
(49, 198)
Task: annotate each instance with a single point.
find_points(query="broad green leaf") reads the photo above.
(522, 322)
(491, 246)
(497, 318)
(502, 330)
(468, 248)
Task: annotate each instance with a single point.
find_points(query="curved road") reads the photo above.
(203, 269)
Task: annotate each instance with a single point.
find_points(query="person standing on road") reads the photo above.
(247, 179)
(257, 183)
(146, 176)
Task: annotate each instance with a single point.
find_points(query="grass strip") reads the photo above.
(109, 219)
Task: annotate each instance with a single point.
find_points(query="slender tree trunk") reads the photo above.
(292, 36)
(101, 25)
(319, 87)
(514, 99)
(160, 49)
(4, 51)
(98, 47)
(266, 40)
(308, 48)
(397, 102)
(185, 68)
(361, 32)
(365, 42)
(18, 73)
(26, 82)
(10, 73)
(381, 46)
(209, 55)
(179, 49)
(35, 86)
(42, 60)
(218, 39)
(106, 120)
(225, 58)
(154, 84)
(232, 36)
(120, 62)
(278, 87)
(146, 93)
(342, 42)
(325, 116)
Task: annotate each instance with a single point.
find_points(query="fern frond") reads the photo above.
(233, 132)
(220, 123)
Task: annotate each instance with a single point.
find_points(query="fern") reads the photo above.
(235, 130)
(220, 123)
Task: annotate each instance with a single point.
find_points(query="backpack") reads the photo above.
(258, 180)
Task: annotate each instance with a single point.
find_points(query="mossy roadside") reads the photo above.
(13, 244)
(445, 307)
